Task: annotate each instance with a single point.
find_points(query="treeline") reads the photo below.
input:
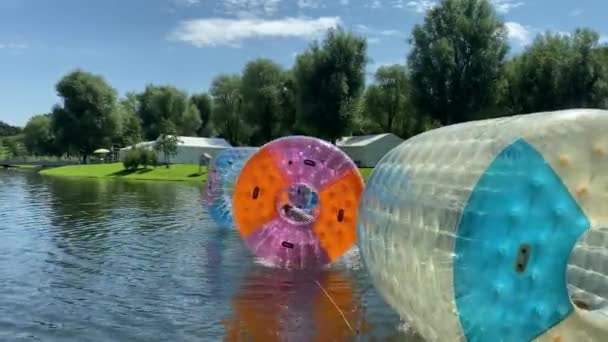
(8, 130)
(457, 70)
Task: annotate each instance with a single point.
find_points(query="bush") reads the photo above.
(148, 158)
(137, 157)
(132, 159)
(152, 158)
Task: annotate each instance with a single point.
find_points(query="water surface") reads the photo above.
(109, 260)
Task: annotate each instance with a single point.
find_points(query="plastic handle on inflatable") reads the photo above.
(468, 229)
(295, 202)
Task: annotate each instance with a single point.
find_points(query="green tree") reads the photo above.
(130, 132)
(167, 141)
(261, 87)
(167, 103)
(14, 148)
(87, 118)
(387, 101)
(203, 103)
(456, 60)
(226, 116)
(557, 72)
(287, 104)
(329, 81)
(8, 130)
(38, 136)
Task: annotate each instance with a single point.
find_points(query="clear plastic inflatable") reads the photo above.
(495, 230)
(295, 202)
(222, 174)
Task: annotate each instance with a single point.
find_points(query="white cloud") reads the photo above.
(186, 3)
(518, 32)
(230, 32)
(603, 39)
(13, 46)
(389, 32)
(374, 36)
(374, 4)
(505, 6)
(576, 12)
(421, 6)
(309, 3)
(251, 8)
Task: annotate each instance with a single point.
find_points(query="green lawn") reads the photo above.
(177, 172)
(366, 171)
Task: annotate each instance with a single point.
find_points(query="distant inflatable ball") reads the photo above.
(495, 230)
(222, 174)
(295, 202)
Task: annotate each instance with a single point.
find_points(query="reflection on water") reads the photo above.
(97, 260)
(273, 305)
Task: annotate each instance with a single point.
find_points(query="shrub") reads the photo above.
(152, 158)
(143, 158)
(132, 159)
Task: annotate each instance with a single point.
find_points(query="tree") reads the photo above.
(38, 136)
(387, 101)
(87, 117)
(203, 103)
(329, 80)
(130, 132)
(168, 140)
(8, 130)
(287, 104)
(261, 87)
(167, 103)
(13, 148)
(226, 116)
(456, 60)
(557, 72)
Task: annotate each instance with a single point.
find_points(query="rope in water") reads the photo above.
(337, 307)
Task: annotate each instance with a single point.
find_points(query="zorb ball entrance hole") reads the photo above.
(298, 204)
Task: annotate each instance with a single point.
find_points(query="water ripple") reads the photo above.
(93, 260)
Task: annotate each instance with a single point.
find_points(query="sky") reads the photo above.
(186, 43)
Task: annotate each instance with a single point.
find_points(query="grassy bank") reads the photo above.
(177, 172)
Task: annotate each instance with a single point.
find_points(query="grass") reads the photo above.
(177, 172)
(366, 171)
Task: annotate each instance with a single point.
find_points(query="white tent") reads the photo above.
(189, 149)
(148, 145)
(367, 150)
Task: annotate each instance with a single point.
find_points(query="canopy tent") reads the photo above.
(190, 150)
(367, 150)
(101, 151)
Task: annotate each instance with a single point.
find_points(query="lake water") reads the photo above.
(105, 260)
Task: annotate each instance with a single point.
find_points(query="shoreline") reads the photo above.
(176, 173)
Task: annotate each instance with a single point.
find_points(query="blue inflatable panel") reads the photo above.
(225, 168)
(516, 233)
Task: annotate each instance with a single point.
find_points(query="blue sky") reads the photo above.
(188, 42)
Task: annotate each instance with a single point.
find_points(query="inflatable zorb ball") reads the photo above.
(222, 174)
(495, 230)
(295, 203)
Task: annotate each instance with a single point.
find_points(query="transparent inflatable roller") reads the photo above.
(495, 230)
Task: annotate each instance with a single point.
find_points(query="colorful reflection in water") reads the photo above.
(277, 305)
